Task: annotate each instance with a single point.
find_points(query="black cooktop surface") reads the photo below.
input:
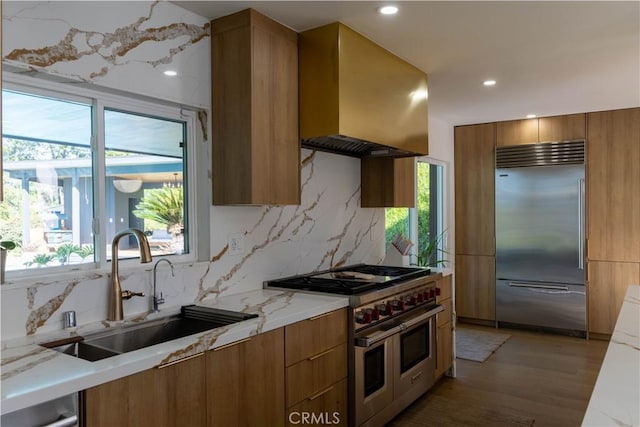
(350, 280)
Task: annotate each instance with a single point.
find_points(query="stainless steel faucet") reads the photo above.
(116, 294)
(157, 301)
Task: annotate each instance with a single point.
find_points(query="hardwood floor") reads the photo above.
(545, 377)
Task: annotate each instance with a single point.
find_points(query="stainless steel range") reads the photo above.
(393, 335)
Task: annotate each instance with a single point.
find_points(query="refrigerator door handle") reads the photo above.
(538, 286)
(581, 224)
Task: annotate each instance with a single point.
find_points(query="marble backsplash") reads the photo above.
(123, 45)
(328, 229)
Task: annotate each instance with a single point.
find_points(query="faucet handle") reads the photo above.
(160, 300)
(130, 294)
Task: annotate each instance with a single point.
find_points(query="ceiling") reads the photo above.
(548, 57)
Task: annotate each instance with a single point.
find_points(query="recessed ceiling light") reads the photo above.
(170, 73)
(388, 10)
(489, 82)
(531, 116)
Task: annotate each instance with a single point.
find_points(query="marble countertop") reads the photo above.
(616, 396)
(32, 374)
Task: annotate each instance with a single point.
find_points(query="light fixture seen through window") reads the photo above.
(127, 185)
(489, 82)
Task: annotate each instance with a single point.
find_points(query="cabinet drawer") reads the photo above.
(313, 336)
(316, 373)
(327, 407)
(444, 316)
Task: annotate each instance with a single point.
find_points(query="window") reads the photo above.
(75, 165)
(424, 224)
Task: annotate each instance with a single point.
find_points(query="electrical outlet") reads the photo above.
(236, 244)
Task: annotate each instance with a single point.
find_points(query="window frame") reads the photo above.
(443, 214)
(135, 104)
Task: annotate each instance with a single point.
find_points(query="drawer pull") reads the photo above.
(415, 377)
(184, 359)
(320, 393)
(319, 355)
(222, 347)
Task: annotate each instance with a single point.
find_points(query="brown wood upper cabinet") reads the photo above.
(613, 186)
(388, 182)
(568, 127)
(256, 151)
(474, 159)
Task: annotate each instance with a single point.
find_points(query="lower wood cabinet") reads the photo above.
(174, 395)
(444, 322)
(607, 286)
(316, 370)
(245, 382)
(240, 384)
(475, 287)
(327, 407)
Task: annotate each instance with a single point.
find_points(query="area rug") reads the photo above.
(472, 344)
(441, 411)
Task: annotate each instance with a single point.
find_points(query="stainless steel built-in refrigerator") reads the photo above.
(540, 239)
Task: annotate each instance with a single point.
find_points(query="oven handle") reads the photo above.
(371, 340)
(421, 318)
(368, 341)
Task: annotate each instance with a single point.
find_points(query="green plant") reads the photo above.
(427, 257)
(40, 260)
(85, 251)
(65, 251)
(163, 205)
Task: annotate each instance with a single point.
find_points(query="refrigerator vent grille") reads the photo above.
(547, 154)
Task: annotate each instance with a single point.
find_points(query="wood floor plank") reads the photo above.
(545, 377)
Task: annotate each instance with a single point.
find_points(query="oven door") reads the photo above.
(415, 354)
(373, 371)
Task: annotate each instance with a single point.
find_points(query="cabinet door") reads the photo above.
(444, 350)
(607, 286)
(570, 127)
(313, 336)
(316, 373)
(171, 396)
(329, 407)
(255, 150)
(613, 185)
(388, 182)
(474, 155)
(517, 132)
(475, 287)
(245, 382)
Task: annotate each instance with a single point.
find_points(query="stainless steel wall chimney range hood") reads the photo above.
(357, 98)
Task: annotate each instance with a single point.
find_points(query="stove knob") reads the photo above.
(412, 300)
(359, 317)
(432, 293)
(381, 309)
(390, 308)
(397, 304)
(420, 297)
(437, 292)
(375, 314)
(425, 296)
